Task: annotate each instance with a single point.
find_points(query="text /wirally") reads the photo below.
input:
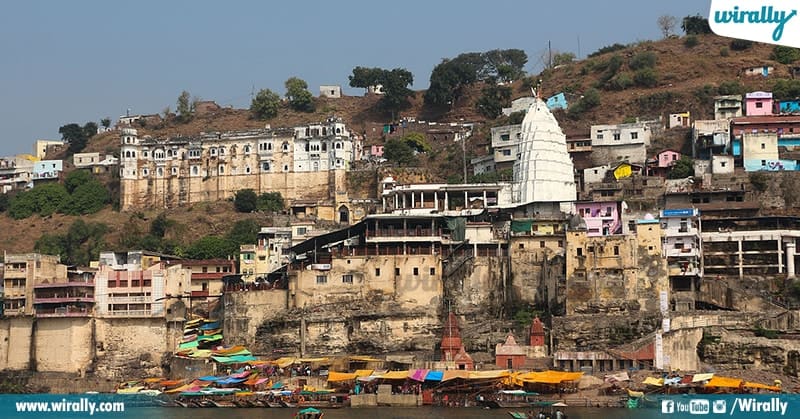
(767, 14)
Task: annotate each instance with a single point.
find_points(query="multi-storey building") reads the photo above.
(16, 173)
(267, 255)
(683, 252)
(69, 296)
(132, 284)
(622, 142)
(21, 273)
(302, 163)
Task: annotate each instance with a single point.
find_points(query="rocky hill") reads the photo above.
(682, 78)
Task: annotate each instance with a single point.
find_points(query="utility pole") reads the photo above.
(464, 153)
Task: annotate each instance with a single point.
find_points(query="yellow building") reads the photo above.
(615, 273)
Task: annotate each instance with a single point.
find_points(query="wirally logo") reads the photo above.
(771, 21)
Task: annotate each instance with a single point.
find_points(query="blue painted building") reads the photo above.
(558, 101)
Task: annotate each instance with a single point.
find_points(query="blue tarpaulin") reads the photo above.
(434, 376)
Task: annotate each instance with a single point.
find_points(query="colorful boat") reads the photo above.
(309, 413)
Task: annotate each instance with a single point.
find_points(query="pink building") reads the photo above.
(376, 151)
(758, 103)
(667, 158)
(602, 218)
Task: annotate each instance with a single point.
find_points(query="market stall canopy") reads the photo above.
(434, 376)
(395, 375)
(653, 381)
(488, 375)
(417, 375)
(718, 381)
(364, 373)
(334, 376)
(453, 374)
(549, 377)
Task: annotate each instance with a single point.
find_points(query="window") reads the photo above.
(322, 279)
(505, 137)
(195, 171)
(674, 157)
(221, 151)
(561, 243)
(722, 164)
(160, 172)
(301, 231)
(397, 271)
(616, 136)
(377, 271)
(634, 136)
(541, 244)
(506, 152)
(763, 162)
(265, 166)
(285, 167)
(145, 172)
(221, 169)
(522, 245)
(763, 146)
(579, 251)
(347, 279)
(247, 170)
(416, 271)
(212, 151)
(247, 149)
(599, 136)
(759, 105)
(616, 250)
(174, 171)
(433, 271)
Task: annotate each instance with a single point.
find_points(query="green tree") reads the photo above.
(682, 169)
(516, 117)
(75, 135)
(77, 178)
(160, 225)
(50, 244)
(243, 232)
(105, 122)
(245, 200)
(398, 151)
(365, 77)
(417, 142)
(784, 54)
(80, 245)
(395, 84)
(741, 44)
(265, 104)
(695, 25)
(506, 64)
(5, 201)
(300, 99)
(563, 58)
(270, 201)
(589, 100)
(211, 247)
(185, 107)
(88, 198)
(493, 99)
(666, 24)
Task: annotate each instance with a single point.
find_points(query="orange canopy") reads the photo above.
(718, 381)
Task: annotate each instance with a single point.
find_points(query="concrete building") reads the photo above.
(758, 103)
(785, 127)
(544, 170)
(330, 91)
(727, 107)
(42, 147)
(205, 278)
(752, 247)
(68, 296)
(662, 163)
(505, 145)
(760, 153)
(16, 173)
(711, 138)
(95, 162)
(759, 70)
(21, 273)
(615, 273)
(46, 170)
(132, 284)
(269, 254)
(557, 101)
(788, 106)
(682, 119)
(622, 142)
(483, 164)
(304, 163)
(601, 218)
(683, 251)
(722, 165)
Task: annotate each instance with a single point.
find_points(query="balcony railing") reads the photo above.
(131, 313)
(64, 312)
(64, 299)
(129, 299)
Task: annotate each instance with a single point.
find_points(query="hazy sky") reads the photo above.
(76, 61)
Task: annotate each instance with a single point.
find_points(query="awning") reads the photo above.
(417, 375)
(365, 359)
(488, 375)
(236, 359)
(395, 375)
(363, 373)
(718, 381)
(434, 376)
(334, 376)
(550, 377)
(284, 362)
(749, 384)
(453, 374)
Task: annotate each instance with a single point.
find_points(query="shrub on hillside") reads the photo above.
(786, 89)
(245, 200)
(621, 81)
(785, 55)
(724, 52)
(641, 60)
(730, 88)
(607, 49)
(646, 77)
(655, 103)
(589, 100)
(741, 44)
(690, 41)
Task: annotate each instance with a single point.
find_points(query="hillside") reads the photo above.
(687, 80)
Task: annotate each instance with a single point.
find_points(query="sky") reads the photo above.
(79, 61)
